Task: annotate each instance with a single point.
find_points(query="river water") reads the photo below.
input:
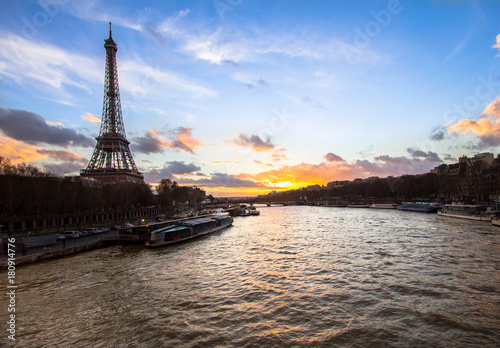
(293, 276)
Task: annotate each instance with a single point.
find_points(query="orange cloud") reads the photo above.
(481, 127)
(179, 139)
(18, 152)
(493, 109)
(59, 124)
(159, 140)
(264, 164)
(486, 126)
(185, 140)
(91, 118)
(279, 155)
(497, 45)
(61, 155)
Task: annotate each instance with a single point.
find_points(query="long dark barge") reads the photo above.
(188, 229)
(141, 234)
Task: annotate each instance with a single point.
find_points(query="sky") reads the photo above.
(243, 97)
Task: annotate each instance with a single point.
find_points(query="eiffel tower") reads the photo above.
(112, 160)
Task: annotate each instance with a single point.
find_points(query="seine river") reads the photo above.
(293, 276)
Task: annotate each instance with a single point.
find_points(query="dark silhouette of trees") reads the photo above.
(169, 194)
(28, 191)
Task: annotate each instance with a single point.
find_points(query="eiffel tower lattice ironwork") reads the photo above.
(112, 160)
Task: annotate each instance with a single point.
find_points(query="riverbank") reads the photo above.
(59, 249)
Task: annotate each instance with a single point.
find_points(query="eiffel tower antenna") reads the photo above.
(112, 159)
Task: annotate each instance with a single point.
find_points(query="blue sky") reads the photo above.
(242, 97)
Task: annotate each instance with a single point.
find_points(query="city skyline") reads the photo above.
(241, 98)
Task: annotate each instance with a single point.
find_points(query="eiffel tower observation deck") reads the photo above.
(112, 159)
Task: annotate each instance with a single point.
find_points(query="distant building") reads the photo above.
(337, 183)
(486, 158)
(440, 170)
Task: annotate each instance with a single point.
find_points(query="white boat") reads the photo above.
(384, 206)
(465, 211)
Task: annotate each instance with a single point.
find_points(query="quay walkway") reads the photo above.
(61, 248)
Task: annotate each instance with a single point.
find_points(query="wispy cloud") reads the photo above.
(150, 143)
(140, 79)
(170, 171)
(264, 164)
(459, 47)
(182, 139)
(278, 155)
(232, 45)
(91, 118)
(438, 133)
(61, 155)
(331, 157)
(223, 180)
(224, 162)
(58, 69)
(153, 141)
(26, 61)
(255, 142)
(249, 80)
(93, 10)
(70, 162)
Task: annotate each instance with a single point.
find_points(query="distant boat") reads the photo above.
(188, 229)
(243, 210)
(358, 206)
(420, 207)
(384, 206)
(254, 211)
(465, 211)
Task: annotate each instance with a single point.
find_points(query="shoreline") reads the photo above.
(53, 254)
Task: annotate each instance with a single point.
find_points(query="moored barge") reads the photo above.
(184, 230)
(420, 207)
(465, 211)
(384, 206)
